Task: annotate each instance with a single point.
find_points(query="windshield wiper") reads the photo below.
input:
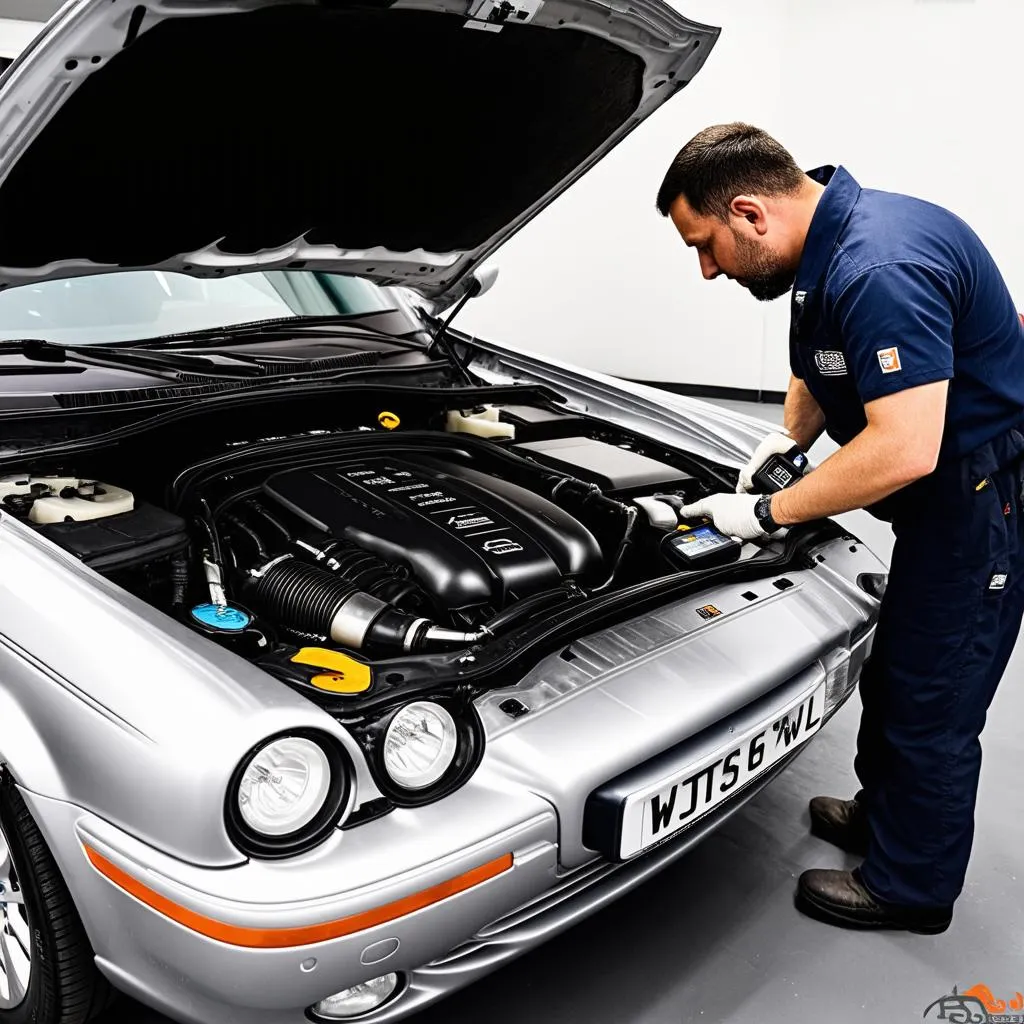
(353, 325)
(193, 370)
(166, 365)
(168, 357)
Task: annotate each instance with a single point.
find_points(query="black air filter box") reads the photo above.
(121, 541)
(610, 467)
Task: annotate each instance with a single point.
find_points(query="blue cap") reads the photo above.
(221, 617)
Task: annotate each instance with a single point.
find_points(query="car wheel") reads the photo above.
(47, 972)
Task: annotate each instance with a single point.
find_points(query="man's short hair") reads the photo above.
(725, 161)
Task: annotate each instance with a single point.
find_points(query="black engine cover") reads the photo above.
(471, 540)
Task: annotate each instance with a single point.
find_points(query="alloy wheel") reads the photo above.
(15, 942)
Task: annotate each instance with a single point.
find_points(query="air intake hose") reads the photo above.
(313, 600)
(367, 572)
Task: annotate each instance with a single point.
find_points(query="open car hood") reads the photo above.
(401, 142)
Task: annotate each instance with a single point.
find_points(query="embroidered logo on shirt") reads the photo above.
(830, 364)
(889, 360)
(998, 582)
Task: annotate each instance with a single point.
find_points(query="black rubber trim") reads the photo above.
(714, 391)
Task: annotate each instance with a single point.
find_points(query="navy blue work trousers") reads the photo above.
(948, 623)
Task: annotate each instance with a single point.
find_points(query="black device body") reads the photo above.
(780, 472)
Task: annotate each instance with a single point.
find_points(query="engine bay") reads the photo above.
(329, 557)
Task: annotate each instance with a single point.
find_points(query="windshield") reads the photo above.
(133, 305)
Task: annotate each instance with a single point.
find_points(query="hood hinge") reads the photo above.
(492, 15)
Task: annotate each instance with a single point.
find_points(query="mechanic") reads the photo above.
(905, 346)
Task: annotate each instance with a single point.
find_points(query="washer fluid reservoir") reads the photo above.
(59, 499)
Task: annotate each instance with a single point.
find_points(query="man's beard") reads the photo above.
(763, 269)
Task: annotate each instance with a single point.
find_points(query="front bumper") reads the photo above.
(574, 896)
(190, 976)
(526, 800)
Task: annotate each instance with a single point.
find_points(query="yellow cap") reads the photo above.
(388, 420)
(344, 674)
(338, 682)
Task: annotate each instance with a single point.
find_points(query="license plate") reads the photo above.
(657, 812)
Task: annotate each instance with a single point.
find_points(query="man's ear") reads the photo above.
(752, 210)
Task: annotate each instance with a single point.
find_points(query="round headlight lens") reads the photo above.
(420, 745)
(284, 787)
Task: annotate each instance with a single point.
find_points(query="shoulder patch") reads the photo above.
(889, 360)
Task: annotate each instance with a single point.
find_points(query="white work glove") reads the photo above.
(773, 444)
(732, 514)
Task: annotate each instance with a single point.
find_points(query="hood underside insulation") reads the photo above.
(352, 126)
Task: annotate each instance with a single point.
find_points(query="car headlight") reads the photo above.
(284, 786)
(287, 795)
(420, 745)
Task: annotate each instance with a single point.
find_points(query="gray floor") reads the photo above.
(716, 939)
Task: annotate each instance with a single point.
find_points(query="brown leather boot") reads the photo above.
(840, 898)
(844, 823)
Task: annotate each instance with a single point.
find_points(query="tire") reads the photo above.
(63, 984)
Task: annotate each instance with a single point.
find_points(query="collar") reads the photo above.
(834, 209)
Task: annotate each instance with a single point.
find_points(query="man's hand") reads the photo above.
(732, 514)
(773, 444)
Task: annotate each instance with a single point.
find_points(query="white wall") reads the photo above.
(16, 34)
(919, 96)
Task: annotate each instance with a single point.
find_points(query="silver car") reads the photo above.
(345, 657)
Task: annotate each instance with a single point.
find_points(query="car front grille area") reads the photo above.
(598, 883)
(579, 893)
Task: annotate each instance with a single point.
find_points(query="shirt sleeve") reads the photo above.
(896, 322)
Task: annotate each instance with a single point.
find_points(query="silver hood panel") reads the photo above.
(157, 135)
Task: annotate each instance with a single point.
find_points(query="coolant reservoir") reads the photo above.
(62, 498)
(482, 422)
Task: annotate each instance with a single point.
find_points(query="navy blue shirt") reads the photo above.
(893, 292)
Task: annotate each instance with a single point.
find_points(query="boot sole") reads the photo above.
(828, 913)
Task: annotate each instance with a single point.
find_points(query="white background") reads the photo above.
(15, 35)
(917, 96)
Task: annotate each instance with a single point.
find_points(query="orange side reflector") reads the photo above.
(280, 938)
